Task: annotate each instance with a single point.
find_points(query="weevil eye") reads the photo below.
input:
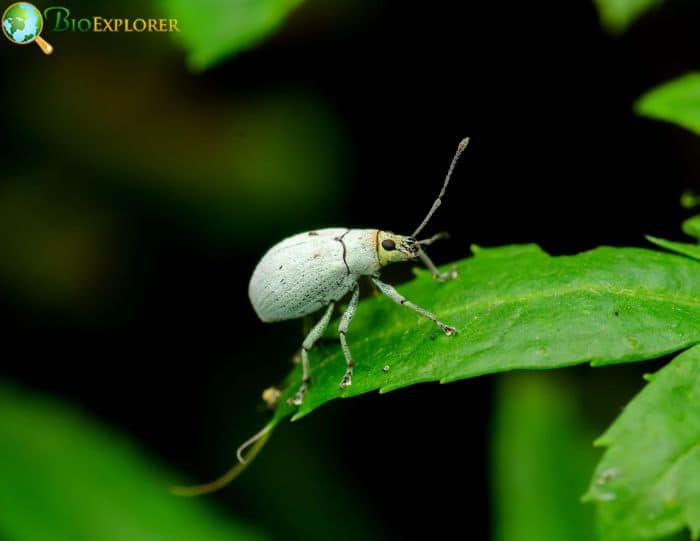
(388, 245)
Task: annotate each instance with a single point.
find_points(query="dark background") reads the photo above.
(152, 332)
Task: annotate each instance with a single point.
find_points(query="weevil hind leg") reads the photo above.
(306, 327)
(440, 276)
(342, 330)
(395, 296)
(308, 343)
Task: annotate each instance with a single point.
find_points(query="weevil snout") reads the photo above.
(392, 247)
(410, 247)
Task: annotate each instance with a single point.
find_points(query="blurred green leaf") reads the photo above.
(677, 101)
(213, 30)
(689, 200)
(53, 247)
(647, 484)
(66, 478)
(515, 307)
(617, 15)
(691, 227)
(691, 250)
(248, 161)
(542, 459)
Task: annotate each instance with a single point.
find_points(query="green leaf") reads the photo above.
(213, 30)
(691, 227)
(691, 250)
(677, 101)
(617, 15)
(542, 459)
(66, 478)
(647, 484)
(515, 307)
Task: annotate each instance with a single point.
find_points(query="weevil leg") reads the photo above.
(342, 330)
(395, 296)
(307, 326)
(441, 276)
(308, 343)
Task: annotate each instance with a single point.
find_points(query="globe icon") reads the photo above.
(22, 23)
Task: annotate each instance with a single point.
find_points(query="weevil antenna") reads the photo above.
(440, 236)
(257, 441)
(460, 148)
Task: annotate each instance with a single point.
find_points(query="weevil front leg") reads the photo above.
(441, 276)
(342, 329)
(308, 343)
(395, 296)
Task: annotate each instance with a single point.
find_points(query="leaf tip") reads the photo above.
(601, 442)
(299, 414)
(196, 63)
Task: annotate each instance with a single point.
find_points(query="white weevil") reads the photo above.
(309, 271)
(313, 270)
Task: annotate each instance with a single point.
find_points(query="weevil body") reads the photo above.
(311, 271)
(306, 272)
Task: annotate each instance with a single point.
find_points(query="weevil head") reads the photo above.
(392, 248)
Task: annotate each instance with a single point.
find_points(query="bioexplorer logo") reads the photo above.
(22, 23)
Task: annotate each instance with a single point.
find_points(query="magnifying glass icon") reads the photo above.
(22, 24)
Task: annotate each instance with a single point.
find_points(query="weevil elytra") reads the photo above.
(314, 270)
